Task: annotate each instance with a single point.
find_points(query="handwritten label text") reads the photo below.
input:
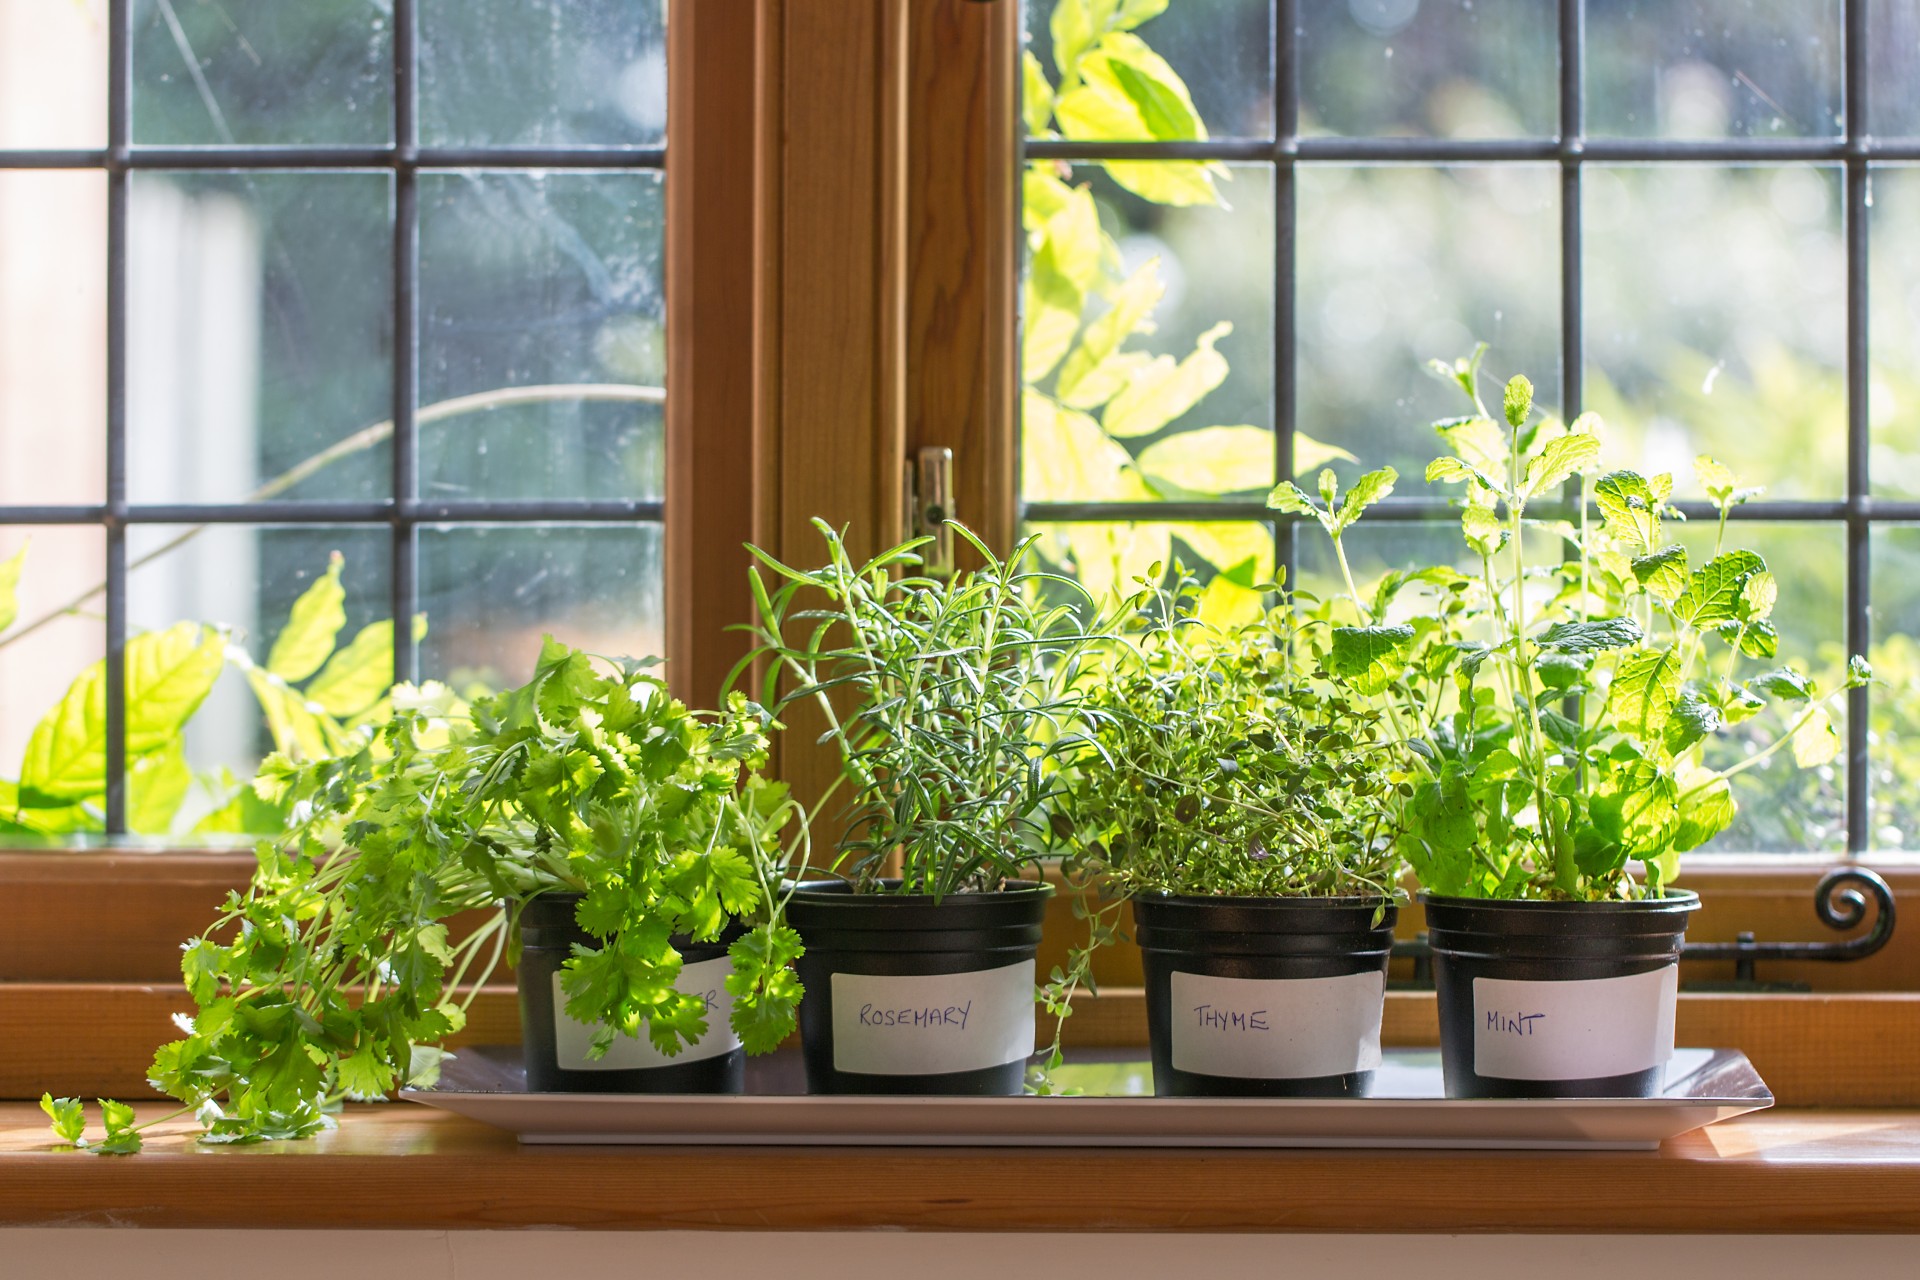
(1513, 1024)
(953, 1015)
(1216, 1018)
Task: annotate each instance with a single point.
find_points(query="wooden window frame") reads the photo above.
(841, 259)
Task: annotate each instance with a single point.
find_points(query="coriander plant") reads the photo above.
(949, 701)
(337, 972)
(1557, 712)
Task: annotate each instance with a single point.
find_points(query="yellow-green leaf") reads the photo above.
(297, 730)
(157, 784)
(1109, 378)
(1310, 454)
(1815, 742)
(9, 585)
(1163, 390)
(357, 676)
(1242, 551)
(1036, 93)
(304, 643)
(1131, 304)
(1478, 442)
(1066, 457)
(1212, 459)
(1224, 603)
(169, 674)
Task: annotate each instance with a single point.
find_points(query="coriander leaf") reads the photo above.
(1370, 658)
(200, 965)
(68, 1117)
(1591, 637)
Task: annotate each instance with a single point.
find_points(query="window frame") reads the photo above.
(846, 179)
(1857, 150)
(404, 511)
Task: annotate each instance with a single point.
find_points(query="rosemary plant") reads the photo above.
(950, 701)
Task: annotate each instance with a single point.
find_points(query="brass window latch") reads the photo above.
(930, 505)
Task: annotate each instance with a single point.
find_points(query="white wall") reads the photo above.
(83, 1254)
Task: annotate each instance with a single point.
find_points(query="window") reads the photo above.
(1250, 224)
(304, 291)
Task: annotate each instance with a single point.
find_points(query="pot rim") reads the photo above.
(1288, 902)
(1669, 900)
(842, 891)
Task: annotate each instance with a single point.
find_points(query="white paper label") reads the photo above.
(1581, 1030)
(1277, 1028)
(707, 979)
(930, 1024)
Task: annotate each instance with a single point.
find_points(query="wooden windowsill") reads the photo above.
(403, 1166)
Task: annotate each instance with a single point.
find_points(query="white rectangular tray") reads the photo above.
(1116, 1109)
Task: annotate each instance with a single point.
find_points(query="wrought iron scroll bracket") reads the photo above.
(1845, 898)
(1841, 900)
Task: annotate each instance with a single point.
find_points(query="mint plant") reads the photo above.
(1556, 714)
(336, 974)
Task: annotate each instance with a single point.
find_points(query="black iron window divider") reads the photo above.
(404, 512)
(1856, 150)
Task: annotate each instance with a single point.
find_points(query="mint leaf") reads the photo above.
(1641, 698)
(1714, 590)
(1786, 684)
(1367, 490)
(1631, 509)
(1561, 457)
(1663, 573)
(1517, 402)
(1591, 637)
(1370, 658)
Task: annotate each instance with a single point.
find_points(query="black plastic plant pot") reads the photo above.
(907, 994)
(1557, 999)
(1264, 997)
(555, 1044)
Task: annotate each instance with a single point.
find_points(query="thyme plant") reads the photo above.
(1558, 713)
(1225, 768)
